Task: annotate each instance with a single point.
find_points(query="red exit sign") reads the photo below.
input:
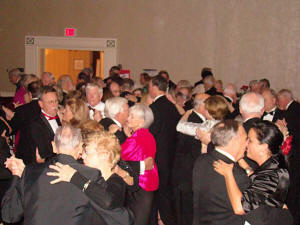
(70, 32)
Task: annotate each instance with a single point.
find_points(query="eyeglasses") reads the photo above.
(87, 151)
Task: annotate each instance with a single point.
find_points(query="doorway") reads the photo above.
(36, 46)
(71, 62)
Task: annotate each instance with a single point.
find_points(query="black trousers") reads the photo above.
(164, 202)
(142, 206)
(184, 204)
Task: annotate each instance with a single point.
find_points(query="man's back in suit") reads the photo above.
(163, 129)
(211, 203)
(43, 203)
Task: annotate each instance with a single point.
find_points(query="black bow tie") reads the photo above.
(270, 113)
(91, 108)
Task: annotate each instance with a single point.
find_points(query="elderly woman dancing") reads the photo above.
(139, 145)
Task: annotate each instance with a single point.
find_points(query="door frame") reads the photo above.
(34, 44)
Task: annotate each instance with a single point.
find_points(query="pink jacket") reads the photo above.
(137, 148)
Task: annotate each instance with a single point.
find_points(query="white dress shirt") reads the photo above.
(268, 116)
(100, 107)
(52, 122)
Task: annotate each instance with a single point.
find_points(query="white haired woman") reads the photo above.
(139, 145)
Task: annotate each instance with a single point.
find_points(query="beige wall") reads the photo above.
(241, 40)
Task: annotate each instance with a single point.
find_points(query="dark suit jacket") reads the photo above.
(292, 117)
(213, 91)
(187, 151)
(278, 115)
(40, 135)
(163, 129)
(211, 203)
(5, 174)
(24, 115)
(42, 203)
(106, 122)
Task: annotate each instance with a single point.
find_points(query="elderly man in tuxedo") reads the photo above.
(33, 197)
(163, 129)
(42, 128)
(272, 113)
(292, 111)
(94, 95)
(211, 202)
(251, 108)
(116, 112)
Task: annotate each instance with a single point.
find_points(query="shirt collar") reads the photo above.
(200, 115)
(225, 154)
(287, 106)
(94, 107)
(118, 123)
(271, 110)
(157, 97)
(228, 97)
(46, 114)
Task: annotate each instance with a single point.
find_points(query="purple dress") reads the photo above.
(19, 96)
(137, 148)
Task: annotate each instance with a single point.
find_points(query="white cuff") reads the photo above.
(142, 167)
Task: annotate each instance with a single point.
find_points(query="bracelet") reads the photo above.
(248, 170)
(85, 186)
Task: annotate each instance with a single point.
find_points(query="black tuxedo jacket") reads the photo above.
(187, 151)
(211, 203)
(106, 122)
(24, 115)
(40, 135)
(292, 117)
(23, 118)
(236, 107)
(42, 203)
(163, 129)
(278, 115)
(213, 91)
(5, 174)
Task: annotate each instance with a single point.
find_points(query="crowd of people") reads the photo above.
(114, 152)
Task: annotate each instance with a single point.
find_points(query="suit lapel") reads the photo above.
(58, 122)
(45, 121)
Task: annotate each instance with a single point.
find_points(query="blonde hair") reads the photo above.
(79, 110)
(109, 143)
(93, 132)
(216, 107)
